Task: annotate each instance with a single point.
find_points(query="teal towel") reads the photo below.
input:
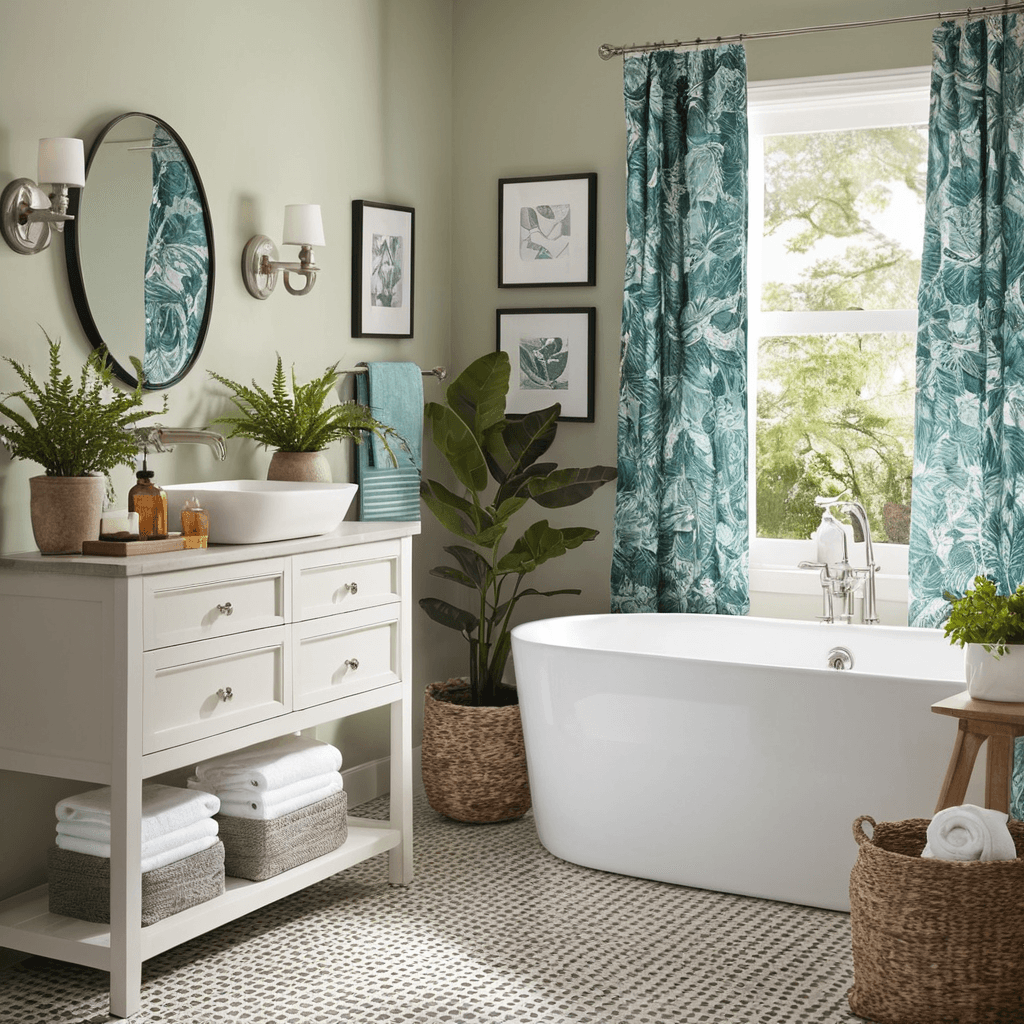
(393, 392)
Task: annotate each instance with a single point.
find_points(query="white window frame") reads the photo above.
(826, 103)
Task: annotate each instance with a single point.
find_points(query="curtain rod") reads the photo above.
(606, 51)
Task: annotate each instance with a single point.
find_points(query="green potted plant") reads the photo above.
(78, 435)
(299, 425)
(474, 767)
(989, 626)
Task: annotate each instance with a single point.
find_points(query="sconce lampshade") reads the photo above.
(62, 162)
(302, 225)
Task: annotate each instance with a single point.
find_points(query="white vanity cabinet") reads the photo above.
(115, 670)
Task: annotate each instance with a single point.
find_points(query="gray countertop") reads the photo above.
(346, 534)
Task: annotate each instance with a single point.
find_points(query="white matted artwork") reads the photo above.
(552, 357)
(546, 230)
(382, 270)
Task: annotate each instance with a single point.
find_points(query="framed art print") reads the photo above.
(383, 265)
(552, 356)
(547, 231)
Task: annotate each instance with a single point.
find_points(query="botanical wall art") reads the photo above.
(552, 356)
(547, 230)
(382, 270)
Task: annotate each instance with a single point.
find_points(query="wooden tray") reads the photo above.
(124, 548)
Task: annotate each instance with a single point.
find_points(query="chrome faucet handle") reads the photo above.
(811, 565)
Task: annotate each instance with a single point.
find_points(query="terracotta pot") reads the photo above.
(992, 678)
(474, 760)
(65, 511)
(309, 467)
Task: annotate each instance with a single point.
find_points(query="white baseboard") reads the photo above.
(373, 779)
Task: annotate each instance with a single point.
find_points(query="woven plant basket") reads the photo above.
(934, 941)
(474, 761)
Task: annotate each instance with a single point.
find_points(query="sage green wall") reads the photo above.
(325, 102)
(533, 97)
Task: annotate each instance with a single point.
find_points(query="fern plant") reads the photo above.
(984, 616)
(76, 431)
(299, 421)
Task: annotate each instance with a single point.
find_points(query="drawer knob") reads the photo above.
(225, 693)
(225, 608)
(353, 588)
(353, 663)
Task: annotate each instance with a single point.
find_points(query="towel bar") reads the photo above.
(440, 372)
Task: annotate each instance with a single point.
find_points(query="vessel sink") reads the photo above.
(257, 511)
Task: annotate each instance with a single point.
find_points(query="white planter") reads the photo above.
(992, 678)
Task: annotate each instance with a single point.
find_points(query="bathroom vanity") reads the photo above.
(116, 670)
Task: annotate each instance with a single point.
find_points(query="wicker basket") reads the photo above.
(934, 941)
(473, 758)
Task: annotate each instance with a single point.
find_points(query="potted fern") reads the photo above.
(299, 425)
(474, 766)
(989, 626)
(78, 435)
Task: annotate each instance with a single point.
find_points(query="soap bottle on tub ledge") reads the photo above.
(150, 502)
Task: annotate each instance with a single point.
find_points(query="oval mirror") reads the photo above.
(140, 251)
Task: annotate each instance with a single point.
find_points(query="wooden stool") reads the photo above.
(980, 720)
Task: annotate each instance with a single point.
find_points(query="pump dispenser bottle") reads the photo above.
(150, 502)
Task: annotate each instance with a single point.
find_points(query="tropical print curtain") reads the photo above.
(177, 263)
(681, 504)
(968, 491)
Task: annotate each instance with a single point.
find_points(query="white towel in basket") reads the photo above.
(969, 832)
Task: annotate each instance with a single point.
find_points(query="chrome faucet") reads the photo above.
(840, 580)
(163, 439)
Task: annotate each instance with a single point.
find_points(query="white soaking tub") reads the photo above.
(723, 752)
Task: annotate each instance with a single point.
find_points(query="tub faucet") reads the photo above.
(162, 439)
(840, 581)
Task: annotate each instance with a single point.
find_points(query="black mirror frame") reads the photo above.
(76, 282)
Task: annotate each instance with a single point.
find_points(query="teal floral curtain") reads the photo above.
(177, 263)
(968, 515)
(681, 505)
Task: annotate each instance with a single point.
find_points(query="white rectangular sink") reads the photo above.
(257, 511)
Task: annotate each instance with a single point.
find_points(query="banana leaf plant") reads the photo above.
(495, 460)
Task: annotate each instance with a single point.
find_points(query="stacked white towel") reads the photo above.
(969, 832)
(176, 823)
(271, 779)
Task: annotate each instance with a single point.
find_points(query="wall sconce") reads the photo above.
(27, 211)
(260, 266)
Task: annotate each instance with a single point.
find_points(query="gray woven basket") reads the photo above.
(934, 941)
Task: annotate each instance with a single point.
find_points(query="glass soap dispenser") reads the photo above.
(150, 502)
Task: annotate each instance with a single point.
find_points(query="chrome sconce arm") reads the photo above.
(260, 265)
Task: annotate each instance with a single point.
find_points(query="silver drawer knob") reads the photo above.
(225, 693)
(353, 663)
(353, 588)
(225, 608)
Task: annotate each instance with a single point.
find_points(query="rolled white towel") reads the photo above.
(969, 832)
(99, 836)
(271, 765)
(272, 804)
(164, 808)
(156, 860)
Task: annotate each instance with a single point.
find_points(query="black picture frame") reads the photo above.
(547, 231)
(375, 311)
(552, 353)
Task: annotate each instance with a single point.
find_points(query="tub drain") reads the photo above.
(840, 659)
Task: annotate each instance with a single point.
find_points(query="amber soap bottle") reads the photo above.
(150, 502)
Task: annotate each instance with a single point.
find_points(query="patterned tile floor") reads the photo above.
(494, 930)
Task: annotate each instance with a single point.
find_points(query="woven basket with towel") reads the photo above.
(935, 941)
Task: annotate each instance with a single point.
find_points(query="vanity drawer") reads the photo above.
(198, 604)
(344, 654)
(202, 689)
(328, 582)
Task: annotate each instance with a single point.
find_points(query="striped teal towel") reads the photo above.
(394, 394)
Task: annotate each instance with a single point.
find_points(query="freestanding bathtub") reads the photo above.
(723, 752)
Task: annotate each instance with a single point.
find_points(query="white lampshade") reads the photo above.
(302, 225)
(62, 162)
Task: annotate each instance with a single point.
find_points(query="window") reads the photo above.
(837, 175)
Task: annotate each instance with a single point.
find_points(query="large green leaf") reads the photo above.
(474, 565)
(461, 517)
(541, 542)
(448, 572)
(458, 444)
(516, 486)
(477, 395)
(568, 486)
(448, 615)
(519, 443)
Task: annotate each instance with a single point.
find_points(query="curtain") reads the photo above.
(177, 263)
(681, 503)
(967, 514)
